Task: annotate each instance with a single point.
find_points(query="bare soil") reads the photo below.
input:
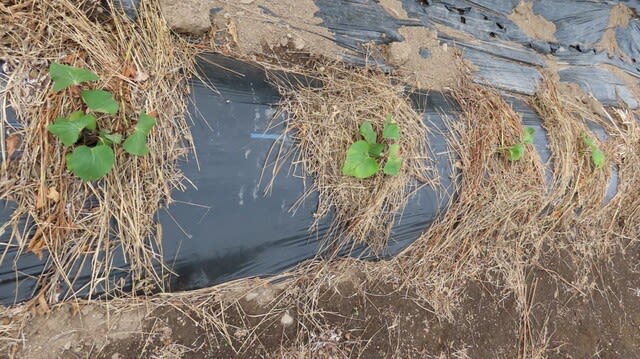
(262, 26)
(532, 24)
(427, 63)
(618, 17)
(370, 319)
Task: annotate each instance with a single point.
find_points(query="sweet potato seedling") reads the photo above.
(364, 157)
(516, 152)
(92, 160)
(597, 156)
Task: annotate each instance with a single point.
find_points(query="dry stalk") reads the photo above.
(493, 219)
(80, 227)
(576, 182)
(323, 122)
(583, 225)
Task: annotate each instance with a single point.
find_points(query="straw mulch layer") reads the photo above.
(323, 122)
(505, 222)
(74, 226)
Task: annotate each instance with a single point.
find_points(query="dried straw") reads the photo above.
(323, 122)
(80, 227)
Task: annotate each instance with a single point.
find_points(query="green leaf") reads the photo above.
(136, 143)
(367, 132)
(145, 123)
(110, 138)
(358, 163)
(74, 116)
(64, 76)
(391, 131)
(91, 163)
(69, 130)
(597, 156)
(516, 152)
(394, 162)
(100, 101)
(527, 138)
(375, 150)
(588, 141)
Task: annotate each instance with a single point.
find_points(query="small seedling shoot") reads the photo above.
(516, 152)
(597, 156)
(92, 155)
(364, 157)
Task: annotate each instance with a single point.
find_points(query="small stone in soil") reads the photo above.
(286, 320)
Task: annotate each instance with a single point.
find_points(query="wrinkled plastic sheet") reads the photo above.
(604, 85)
(225, 227)
(578, 23)
(503, 74)
(504, 55)
(629, 41)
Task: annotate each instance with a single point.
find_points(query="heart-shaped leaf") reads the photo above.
(145, 123)
(64, 76)
(527, 138)
(367, 132)
(516, 152)
(394, 162)
(100, 101)
(91, 163)
(597, 156)
(358, 163)
(136, 143)
(68, 130)
(391, 131)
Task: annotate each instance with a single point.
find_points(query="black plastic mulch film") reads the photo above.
(228, 229)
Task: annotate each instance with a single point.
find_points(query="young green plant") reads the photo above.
(597, 156)
(92, 156)
(365, 156)
(516, 152)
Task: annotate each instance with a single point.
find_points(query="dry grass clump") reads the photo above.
(577, 215)
(324, 121)
(498, 201)
(79, 227)
(492, 231)
(505, 221)
(623, 212)
(577, 184)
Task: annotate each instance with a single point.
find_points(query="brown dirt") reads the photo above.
(69, 329)
(368, 318)
(534, 25)
(439, 70)
(294, 30)
(394, 7)
(286, 24)
(618, 17)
